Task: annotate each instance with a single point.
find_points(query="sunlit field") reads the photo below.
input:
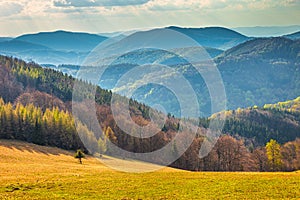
(33, 172)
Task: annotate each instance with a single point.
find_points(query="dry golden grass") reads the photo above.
(30, 171)
(21, 160)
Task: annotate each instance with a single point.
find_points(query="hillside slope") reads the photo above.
(261, 71)
(72, 47)
(258, 125)
(33, 172)
(293, 36)
(14, 46)
(257, 72)
(3, 39)
(64, 41)
(43, 157)
(290, 106)
(214, 37)
(267, 31)
(265, 49)
(58, 47)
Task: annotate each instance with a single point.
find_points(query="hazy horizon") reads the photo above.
(245, 30)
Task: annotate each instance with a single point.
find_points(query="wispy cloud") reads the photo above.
(115, 15)
(115, 7)
(10, 8)
(219, 4)
(97, 3)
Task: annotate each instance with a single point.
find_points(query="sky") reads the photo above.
(18, 17)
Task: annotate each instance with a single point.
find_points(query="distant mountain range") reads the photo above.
(51, 47)
(64, 41)
(214, 37)
(267, 31)
(3, 39)
(265, 48)
(14, 46)
(63, 47)
(256, 72)
(293, 36)
(261, 70)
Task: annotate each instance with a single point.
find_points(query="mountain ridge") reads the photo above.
(273, 46)
(69, 40)
(225, 37)
(259, 71)
(64, 42)
(267, 31)
(293, 36)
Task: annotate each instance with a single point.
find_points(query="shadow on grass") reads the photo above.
(33, 148)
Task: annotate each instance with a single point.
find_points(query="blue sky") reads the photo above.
(27, 16)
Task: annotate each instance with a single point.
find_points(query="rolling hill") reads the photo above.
(265, 48)
(64, 41)
(58, 47)
(261, 71)
(39, 53)
(14, 46)
(257, 125)
(214, 37)
(257, 72)
(3, 39)
(267, 31)
(293, 36)
(290, 106)
(71, 48)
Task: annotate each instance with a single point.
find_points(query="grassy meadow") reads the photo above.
(34, 172)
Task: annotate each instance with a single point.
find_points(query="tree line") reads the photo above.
(52, 127)
(230, 154)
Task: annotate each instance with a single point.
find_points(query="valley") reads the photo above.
(149, 99)
(43, 116)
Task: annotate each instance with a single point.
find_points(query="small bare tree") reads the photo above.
(79, 154)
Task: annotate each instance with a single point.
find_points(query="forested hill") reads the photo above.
(46, 93)
(35, 106)
(261, 71)
(265, 49)
(19, 77)
(258, 125)
(64, 41)
(290, 106)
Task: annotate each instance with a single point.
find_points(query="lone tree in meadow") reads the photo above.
(79, 154)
